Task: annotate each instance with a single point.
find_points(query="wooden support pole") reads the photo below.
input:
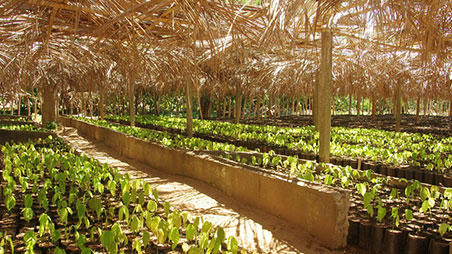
(397, 106)
(49, 105)
(35, 106)
(324, 105)
(28, 107)
(374, 108)
(315, 104)
(218, 106)
(132, 102)
(358, 106)
(258, 108)
(189, 92)
(19, 104)
(238, 104)
(350, 104)
(450, 108)
(101, 105)
(418, 107)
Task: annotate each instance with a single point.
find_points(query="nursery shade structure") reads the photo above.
(32, 27)
(55, 44)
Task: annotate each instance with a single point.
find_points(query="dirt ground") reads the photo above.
(256, 230)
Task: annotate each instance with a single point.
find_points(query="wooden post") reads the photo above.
(131, 102)
(35, 107)
(258, 108)
(12, 105)
(28, 107)
(189, 107)
(230, 107)
(101, 105)
(218, 106)
(324, 105)
(293, 105)
(49, 105)
(83, 106)
(450, 108)
(374, 108)
(224, 107)
(418, 107)
(90, 100)
(238, 104)
(19, 104)
(350, 104)
(199, 103)
(397, 107)
(315, 103)
(358, 106)
(245, 102)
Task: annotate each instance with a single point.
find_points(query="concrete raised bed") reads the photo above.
(319, 210)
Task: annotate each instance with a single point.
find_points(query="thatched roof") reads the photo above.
(272, 47)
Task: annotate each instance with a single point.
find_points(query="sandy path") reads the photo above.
(255, 230)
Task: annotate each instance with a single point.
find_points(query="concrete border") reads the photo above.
(317, 209)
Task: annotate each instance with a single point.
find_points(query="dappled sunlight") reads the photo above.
(254, 229)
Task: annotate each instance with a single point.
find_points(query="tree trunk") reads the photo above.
(49, 105)
(189, 108)
(397, 107)
(324, 105)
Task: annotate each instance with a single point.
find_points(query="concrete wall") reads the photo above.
(317, 209)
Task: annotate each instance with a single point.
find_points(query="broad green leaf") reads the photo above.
(28, 201)
(174, 237)
(190, 232)
(146, 238)
(232, 245)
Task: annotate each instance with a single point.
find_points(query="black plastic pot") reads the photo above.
(394, 241)
(376, 238)
(365, 229)
(401, 173)
(353, 231)
(409, 173)
(438, 247)
(416, 244)
(438, 178)
(447, 181)
(419, 175)
(383, 170)
(392, 171)
(429, 177)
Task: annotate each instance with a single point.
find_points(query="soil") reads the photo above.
(255, 230)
